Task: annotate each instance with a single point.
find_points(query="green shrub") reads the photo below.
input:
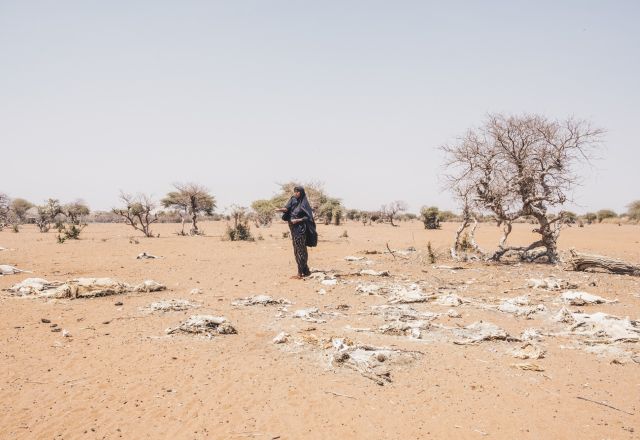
(240, 230)
(430, 217)
(605, 214)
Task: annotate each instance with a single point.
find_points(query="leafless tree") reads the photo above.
(190, 199)
(517, 166)
(138, 212)
(391, 210)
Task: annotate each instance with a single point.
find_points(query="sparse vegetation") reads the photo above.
(19, 207)
(391, 210)
(239, 230)
(5, 209)
(590, 217)
(263, 211)
(633, 210)
(138, 212)
(190, 200)
(604, 214)
(431, 254)
(47, 214)
(430, 217)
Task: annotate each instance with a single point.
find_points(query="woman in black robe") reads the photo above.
(299, 215)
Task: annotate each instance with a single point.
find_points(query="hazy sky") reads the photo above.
(99, 96)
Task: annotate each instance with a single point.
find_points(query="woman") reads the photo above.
(299, 215)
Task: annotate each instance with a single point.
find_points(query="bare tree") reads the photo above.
(190, 199)
(138, 212)
(517, 166)
(391, 210)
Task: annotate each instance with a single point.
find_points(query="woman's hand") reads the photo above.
(295, 221)
(281, 210)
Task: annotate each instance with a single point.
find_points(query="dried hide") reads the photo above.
(450, 300)
(412, 329)
(520, 306)
(80, 288)
(402, 312)
(604, 328)
(374, 363)
(371, 289)
(576, 298)
(172, 305)
(549, 284)
(479, 332)
(5, 269)
(375, 273)
(310, 315)
(207, 325)
(408, 295)
(529, 351)
(260, 300)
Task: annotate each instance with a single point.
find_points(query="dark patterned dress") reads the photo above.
(299, 239)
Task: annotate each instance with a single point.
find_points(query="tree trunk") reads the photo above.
(583, 262)
(194, 226)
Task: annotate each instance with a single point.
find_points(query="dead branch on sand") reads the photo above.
(584, 262)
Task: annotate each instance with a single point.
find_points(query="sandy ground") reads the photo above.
(119, 375)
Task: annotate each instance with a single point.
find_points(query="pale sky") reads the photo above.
(102, 96)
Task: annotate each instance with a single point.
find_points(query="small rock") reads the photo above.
(56, 330)
(196, 291)
(53, 325)
(45, 321)
(66, 334)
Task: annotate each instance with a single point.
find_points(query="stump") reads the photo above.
(584, 262)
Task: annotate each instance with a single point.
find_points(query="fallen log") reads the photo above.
(583, 262)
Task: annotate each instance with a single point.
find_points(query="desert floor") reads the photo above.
(118, 374)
